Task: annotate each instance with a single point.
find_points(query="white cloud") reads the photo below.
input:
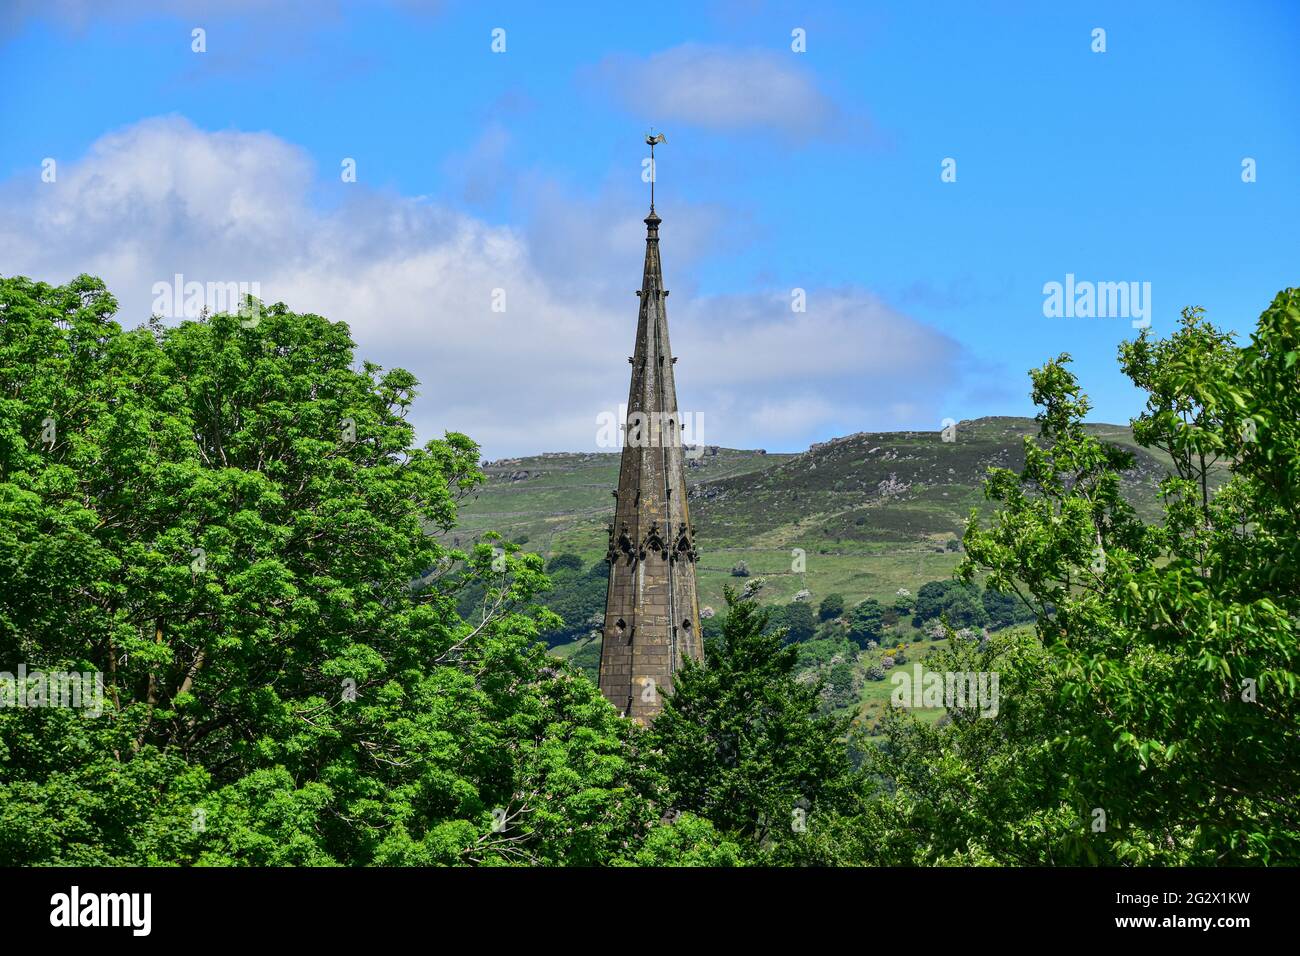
(724, 89)
(414, 280)
(769, 377)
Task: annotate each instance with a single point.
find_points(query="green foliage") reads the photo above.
(832, 606)
(973, 790)
(226, 524)
(1161, 699)
(866, 623)
(797, 620)
(957, 601)
(688, 841)
(564, 562)
(577, 596)
(831, 659)
(743, 743)
(231, 523)
(824, 650)
(1004, 610)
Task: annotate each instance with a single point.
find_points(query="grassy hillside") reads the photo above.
(872, 512)
(861, 516)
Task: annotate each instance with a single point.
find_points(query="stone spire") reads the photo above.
(652, 612)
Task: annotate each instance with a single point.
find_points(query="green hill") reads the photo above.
(862, 516)
(871, 512)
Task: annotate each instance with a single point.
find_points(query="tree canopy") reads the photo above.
(225, 519)
(1154, 720)
(230, 522)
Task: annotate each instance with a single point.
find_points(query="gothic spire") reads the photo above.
(652, 616)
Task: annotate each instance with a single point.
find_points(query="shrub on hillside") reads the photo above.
(866, 622)
(1004, 610)
(798, 621)
(560, 562)
(832, 606)
(958, 601)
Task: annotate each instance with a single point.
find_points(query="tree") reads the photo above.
(688, 841)
(711, 626)
(225, 520)
(562, 562)
(964, 608)
(578, 597)
(744, 744)
(797, 621)
(973, 789)
(1154, 719)
(959, 601)
(932, 599)
(1004, 610)
(866, 623)
(832, 606)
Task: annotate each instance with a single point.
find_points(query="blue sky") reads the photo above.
(817, 170)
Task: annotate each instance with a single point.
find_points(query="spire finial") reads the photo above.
(652, 140)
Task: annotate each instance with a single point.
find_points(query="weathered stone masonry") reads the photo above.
(652, 613)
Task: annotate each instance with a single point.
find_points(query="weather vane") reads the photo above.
(652, 141)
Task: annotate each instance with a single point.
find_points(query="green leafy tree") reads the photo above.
(688, 841)
(831, 607)
(958, 601)
(932, 599)
(973, 789)
(744, 744)
(711, 627)
(225, 519)
(564, 562)
(1004, 610)
(797, 621)
(577, 595)
(1162, 724)
(866, 623)
(964, 608)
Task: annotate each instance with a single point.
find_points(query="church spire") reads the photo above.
(652, 614)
